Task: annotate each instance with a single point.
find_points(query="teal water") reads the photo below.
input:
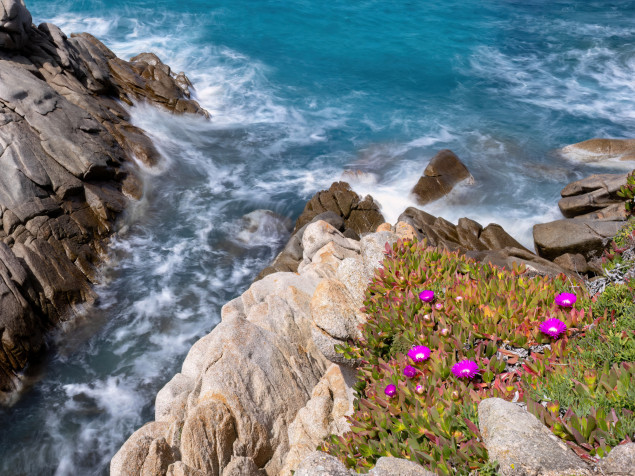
(299, 92)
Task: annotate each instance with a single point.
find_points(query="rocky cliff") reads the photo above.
(66, 170)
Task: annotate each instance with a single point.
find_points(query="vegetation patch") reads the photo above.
(445, 332)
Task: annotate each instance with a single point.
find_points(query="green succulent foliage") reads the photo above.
(480, 308)
(627, 192)
(626, 235)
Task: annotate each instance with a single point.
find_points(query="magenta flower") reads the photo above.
(390, 390)
(565, 299)
(438, 306)
(465, 369)
(409, 371)
(553, 327)
(419, 389)
(426, 296)
(419, 353)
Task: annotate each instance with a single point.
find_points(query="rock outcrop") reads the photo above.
(440, 176)
(264, 386)
(67, 171)
(342, 208)
(598, 150)
(594, 214)
(490, 244)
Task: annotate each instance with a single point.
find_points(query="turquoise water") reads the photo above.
(299, 92)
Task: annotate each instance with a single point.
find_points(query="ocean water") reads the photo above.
(301, 91)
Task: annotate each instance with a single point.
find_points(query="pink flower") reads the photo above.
(565, 299)
(444, 332)
(390, 390)
(426, 296)
(409, 371)
(419, 389)
(419, 353)
(465, 369)
(438, 306)
(553, 327)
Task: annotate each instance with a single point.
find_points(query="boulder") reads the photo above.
(318, 463)
(522, 445)
(15, 24)
(579, 236)
(443, 172)
(619, 462)
(241, 466)
(361, 215)
(598, 150)
(390, 466)
(591, 194)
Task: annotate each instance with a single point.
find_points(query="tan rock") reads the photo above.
(325, 413)
(597, 150)
(130, 458)
(160, 456)
(405, 231)
(384, 227)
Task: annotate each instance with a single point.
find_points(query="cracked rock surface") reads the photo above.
(66, 171)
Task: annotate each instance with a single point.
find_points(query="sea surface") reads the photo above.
(299, 92)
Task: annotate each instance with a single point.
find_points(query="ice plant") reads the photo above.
(419, 353)
(444, 332)
(390, 390)
(426, 296)
(553, 327)
(438, 306)
(419, 389)
(409, 371)
(465, 369)
(565, 299)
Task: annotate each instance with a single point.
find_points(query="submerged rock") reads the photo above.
(67, 172)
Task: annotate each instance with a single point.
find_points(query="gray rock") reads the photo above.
(591, 194)
(620, 461)
(322, 464)
(522, 445)
(586, 237)
(389, 466)
(15, 24)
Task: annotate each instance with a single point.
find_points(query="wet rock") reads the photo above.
(389, 466)
(620, 461)
(66, 150)
(322, 464)
(586, 237)
(598, 150)
(522, 444)
(443, 172)
(362, 215)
